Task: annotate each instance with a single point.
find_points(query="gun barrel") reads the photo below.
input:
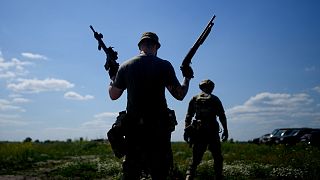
(210, 24)
(211, 21)
(214, 16)
(206, 32)
(92, 29)
(187, 60)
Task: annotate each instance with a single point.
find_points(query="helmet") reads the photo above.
(151, 36)
(207, 86)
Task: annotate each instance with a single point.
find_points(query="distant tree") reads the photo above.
(69, 140)
(37, 141)
(28, 139)
(98, 140)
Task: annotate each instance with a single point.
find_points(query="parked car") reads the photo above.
(269, 138)
(262, 139)
(312, 138)
(289, 136)
(276, 135)
(292, 136)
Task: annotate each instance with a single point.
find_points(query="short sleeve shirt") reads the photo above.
(145, 79)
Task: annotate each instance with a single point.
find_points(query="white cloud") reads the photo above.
(11, 120)
(75, 96)
(7, 75)
(266, 111)
(269, 103)
(106, 115)
(13, 68)
(33, 56)
(5, 64)
(14, 63)
(93, 129)
(310, 69)
(6, 105)
(101, 122)
(96, 124)
(36, 86)
(317, 88)
(20, 100)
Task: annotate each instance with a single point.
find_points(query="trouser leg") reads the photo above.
(134, 161)
(150, 149)
(197, 154)
(215, 148)
(161, 158)
(131, 170)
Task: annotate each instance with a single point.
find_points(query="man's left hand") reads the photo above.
(225, 135)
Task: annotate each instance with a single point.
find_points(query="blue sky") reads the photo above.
(264, 57)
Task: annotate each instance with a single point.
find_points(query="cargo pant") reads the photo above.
(149, 150)
(206, 140)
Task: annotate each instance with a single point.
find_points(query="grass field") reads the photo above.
(95, 160)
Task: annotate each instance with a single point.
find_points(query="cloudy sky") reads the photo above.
(264, 57)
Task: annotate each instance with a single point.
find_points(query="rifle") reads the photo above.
(112, 55)
(187, 60)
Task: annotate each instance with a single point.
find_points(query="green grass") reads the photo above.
(95, 160)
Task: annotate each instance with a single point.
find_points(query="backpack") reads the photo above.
(204, 105)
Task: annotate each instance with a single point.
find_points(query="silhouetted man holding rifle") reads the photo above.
(143, 135)
(145, 77)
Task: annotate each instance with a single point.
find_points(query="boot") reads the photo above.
(190, 175)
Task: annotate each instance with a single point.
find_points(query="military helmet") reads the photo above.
(206, 85)
(151, 36)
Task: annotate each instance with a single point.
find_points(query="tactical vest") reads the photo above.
(205, 110)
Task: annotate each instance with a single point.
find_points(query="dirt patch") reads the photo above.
(17, 177)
